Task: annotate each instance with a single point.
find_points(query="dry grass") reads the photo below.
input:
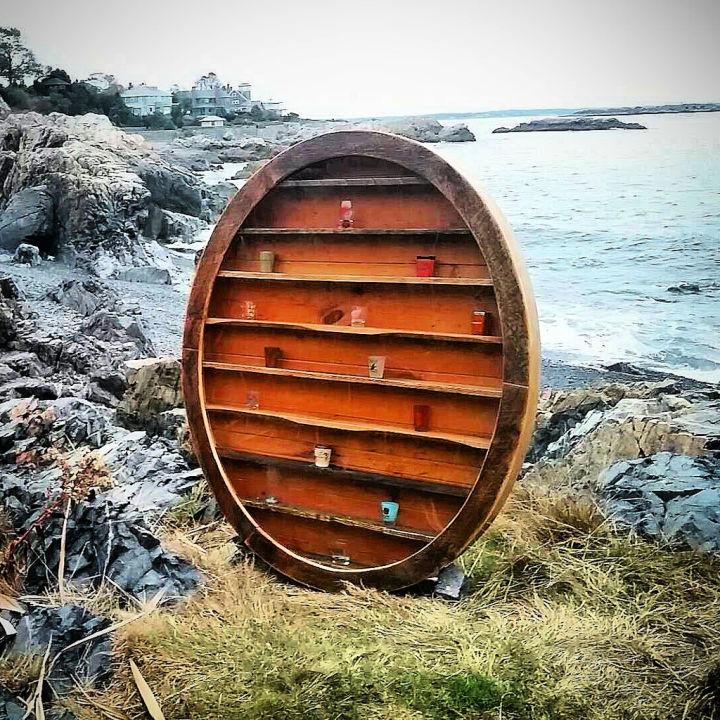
(565, 620)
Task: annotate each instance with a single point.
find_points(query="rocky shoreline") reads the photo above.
(94, 453)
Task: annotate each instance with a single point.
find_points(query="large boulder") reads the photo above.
(27, 218)
(81, 183)
(154, 387)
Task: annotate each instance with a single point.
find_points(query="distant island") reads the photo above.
(653, 109)
(571, 124)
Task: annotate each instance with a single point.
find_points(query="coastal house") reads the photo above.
(144, 100)
(209, 96)
(212, 121)
(53, 83)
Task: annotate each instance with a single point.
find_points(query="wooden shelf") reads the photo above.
(308, 514)
(351, 231)
(474, 441)
(359, 331)
(405, 384)
(378, 279)
(357, 477)
(355, 182)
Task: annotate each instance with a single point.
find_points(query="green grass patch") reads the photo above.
(565, 619)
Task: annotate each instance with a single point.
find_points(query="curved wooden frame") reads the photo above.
(521, 363)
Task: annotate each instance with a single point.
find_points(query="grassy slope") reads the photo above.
(565, 620)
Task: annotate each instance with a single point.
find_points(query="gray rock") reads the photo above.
(26, 254)
(60, 627)
(11, 312)
(11, 708)
(29, 387)
(146, 274)
(154, 387)
(456, 133)
(217, 196)
(450, 581)
(248, 170)
(685, 289)
(675, 498)
(570, 124)
(653, 109)
(107, 535)
(85, 296)
(28, 217)
(114, 328)
(79, 181)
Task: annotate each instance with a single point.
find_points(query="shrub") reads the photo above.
(158, 121)
(16, 97)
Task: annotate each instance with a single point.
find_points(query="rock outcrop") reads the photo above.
(426, 130)
(670, 498)
(79, 185)
(581, 433)
(154, 387)
(571, 124)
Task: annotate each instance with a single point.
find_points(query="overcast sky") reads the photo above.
(344, 58)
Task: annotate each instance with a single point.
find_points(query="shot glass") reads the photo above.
(479, 322)
(425, 265)
(273, 355)
(421, 418)
(376, 366)
(358, 316)
(346, 214)
(389, 511)
(267, 261)
(248, 310)
(322, 456)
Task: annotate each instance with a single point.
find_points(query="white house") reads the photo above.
(212, 121)
(145, 100)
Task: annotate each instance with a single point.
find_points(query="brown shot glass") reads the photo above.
(273, 355)
(421, 418)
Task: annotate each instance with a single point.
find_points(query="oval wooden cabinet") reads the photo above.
(360, 361)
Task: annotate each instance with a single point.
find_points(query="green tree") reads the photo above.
(113, 106)
(257, 113)
(17, 62)
(60, 74)
(158, 121)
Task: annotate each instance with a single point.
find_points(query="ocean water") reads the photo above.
(607, 222)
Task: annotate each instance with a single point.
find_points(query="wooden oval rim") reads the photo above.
(521, 359)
